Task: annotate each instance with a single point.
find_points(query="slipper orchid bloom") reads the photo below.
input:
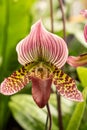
(42, 55)
(80, 60)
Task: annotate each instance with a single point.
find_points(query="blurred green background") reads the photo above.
(19, 112)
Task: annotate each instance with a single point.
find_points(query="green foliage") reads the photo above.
(28, 115)
(82, 74)
(15, 22)
(14, 26)
(75, 120)
(77, 116)
(26, 112)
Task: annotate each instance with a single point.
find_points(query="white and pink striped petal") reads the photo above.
(41, 45)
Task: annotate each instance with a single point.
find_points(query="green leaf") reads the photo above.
(82, 74)
(77, 115)
(4, 111)
(26, 113)
(15, 22)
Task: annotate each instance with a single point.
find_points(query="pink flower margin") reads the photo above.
(42, 55)
(80, 60)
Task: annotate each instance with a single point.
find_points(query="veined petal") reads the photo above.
(41, 89)
(41, 45)
(66, 86)
(16, 81)
(77, 61)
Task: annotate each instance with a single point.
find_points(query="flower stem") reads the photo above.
(64, 34)
(63, 18)
(51, 15)
(59, 111)
(48, 108)
(49, 116)
(58, 96)
(46, 126)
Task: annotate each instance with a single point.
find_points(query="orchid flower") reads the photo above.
(80, 60)
(84, 13)
(42, 55)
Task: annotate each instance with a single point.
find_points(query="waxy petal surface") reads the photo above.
(17, 81)
(41, 89)
(41, 45)
(66, 86)
(80, 60)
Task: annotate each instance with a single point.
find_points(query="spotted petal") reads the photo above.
(77, 61)
(41, 45)
(66, 86)
(16, 81)
(41, 89)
